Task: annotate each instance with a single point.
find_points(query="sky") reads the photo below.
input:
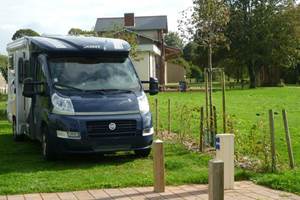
(58, 16)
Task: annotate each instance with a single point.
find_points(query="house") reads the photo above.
(3, 85)
(153, 54)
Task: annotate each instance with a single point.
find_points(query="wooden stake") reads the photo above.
(156, 116)
(206, 103)
(158, 166)
(201, 142)
(215, 120)
(169, 116)
(272, 134)
(224, 102)
(288, 139)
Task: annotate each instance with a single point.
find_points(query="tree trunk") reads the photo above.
(210, 76)
(252, 75)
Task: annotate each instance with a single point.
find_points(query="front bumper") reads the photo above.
(88, 144)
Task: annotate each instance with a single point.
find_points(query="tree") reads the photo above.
(173, 39)
(263, 37)
(206, 26)
(24, 32)
(78, 31)
(3, 66)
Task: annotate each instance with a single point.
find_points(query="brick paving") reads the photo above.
(244, 190)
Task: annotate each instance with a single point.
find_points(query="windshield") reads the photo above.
(88, 74)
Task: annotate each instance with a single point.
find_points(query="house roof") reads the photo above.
(141, 23)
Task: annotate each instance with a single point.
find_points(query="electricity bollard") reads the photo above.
(225, 152)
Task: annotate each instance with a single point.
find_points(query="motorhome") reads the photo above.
(78, 94)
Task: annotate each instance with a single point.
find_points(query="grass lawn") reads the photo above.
(22, 168)
(244, 107)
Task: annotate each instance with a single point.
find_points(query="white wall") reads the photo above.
(142, 65)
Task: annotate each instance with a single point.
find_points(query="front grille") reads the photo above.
(101, 128)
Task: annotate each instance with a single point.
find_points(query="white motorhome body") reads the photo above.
(18, 105)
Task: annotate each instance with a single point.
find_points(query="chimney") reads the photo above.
(129, 20)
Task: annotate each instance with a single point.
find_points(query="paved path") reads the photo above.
(244, 190)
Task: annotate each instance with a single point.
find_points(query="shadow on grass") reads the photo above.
(25, 157)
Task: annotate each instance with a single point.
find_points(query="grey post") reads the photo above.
(288, 139)
(216, 180)
(158, 166)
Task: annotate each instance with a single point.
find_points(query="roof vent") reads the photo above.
(129, 20)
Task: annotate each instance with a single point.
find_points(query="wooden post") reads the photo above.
(215, 120)
(201, 143)
(206, 105)
(272, 134)
(216, 180)
(224, 102)
(156, 116)
(158, 166)
(169, 116)
(288, 139)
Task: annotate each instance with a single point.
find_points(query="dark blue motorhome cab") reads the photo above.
(78, 95)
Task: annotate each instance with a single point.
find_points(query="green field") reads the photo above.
(22, 169)
(246, 108)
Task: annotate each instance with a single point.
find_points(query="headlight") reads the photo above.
(143, 103)
(68, 135)
(148, 131)
(62, 105)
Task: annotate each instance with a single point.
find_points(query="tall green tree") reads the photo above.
(263, 36)
(206, 26)
(24, 32)
(173, 39)
(3, 66)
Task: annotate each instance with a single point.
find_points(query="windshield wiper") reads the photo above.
(59, 85)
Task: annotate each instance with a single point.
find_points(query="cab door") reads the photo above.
(40, 99)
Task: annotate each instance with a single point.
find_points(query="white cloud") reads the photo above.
(58, 16)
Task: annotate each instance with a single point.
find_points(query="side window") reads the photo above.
(39, 72)
(21, 70)
(40, 77)
(11, 61)
(27, 72)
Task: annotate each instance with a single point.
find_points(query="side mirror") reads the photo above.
(31, 88)
(153, 86)
(28, 87)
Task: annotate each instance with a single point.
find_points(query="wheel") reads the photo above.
(17, 137)
(142, 152)
(47, 149)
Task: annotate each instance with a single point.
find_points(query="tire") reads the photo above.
(47, 148)
(143, 153)
(17, 137)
